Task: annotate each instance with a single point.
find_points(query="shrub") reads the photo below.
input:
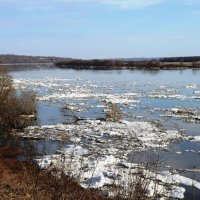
(16, 110)
(114, 114)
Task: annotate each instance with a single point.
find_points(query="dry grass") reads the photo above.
(135, 188)
(25, 181)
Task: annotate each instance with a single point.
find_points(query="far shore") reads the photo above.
(131, 65)
(18, 62)
(135, 66)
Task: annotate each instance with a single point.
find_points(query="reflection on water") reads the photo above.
(25, 66)
(49, 114)
(185, 155)
(191, 193)
(48, 147)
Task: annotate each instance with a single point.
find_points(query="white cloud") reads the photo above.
(123, 4)
(131, 4)
(191, 2)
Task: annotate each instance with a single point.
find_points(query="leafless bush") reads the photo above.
(141, 182)
(16, 110)
(51, 184)
(135, 187)
(114, 114)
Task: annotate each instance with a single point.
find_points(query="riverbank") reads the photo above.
(123, 64)
(24, 180)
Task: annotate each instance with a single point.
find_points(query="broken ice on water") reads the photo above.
(99, 149)
(190, 115)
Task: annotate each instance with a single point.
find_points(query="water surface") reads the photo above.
(177, 89)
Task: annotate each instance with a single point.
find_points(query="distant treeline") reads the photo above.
(7, 59)
(181, 59)
(99, 64)
(121, 64)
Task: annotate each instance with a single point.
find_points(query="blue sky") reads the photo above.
(100, 28)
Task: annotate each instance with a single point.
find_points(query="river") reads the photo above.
(168, 98)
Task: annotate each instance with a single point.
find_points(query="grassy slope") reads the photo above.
(25, 181)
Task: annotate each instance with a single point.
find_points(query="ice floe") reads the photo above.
(107, 170)
(61, 90)
(124, 135)
(196, 92)
(192, 85)
(194, 138)
(77, 150)
(188, 114)
(99, 150)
